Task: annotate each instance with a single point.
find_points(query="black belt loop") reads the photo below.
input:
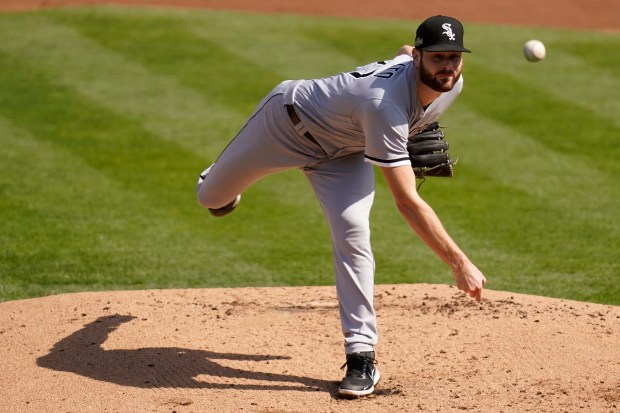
(290, 109)
(292, 114)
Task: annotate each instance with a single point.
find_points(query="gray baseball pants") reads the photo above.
(269, 143)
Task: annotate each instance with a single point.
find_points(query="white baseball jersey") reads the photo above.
(373, 110)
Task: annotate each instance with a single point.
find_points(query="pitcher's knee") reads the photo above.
(206, 200)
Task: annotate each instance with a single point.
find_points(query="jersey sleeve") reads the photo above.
(385, 128)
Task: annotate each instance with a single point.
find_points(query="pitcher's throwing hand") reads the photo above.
(470, 280)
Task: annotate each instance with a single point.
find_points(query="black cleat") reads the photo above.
(361, 376)
(226, 209)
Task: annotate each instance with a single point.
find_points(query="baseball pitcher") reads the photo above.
(336, 130)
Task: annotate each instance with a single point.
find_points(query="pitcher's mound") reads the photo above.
(280, 350)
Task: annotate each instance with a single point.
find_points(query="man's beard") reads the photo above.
(443, 85)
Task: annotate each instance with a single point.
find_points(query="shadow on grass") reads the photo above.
(164, 367)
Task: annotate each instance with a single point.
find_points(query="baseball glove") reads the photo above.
(428, 153)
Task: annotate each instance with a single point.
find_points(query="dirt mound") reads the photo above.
(280, 350)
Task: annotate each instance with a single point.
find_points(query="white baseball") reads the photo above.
(534, 50)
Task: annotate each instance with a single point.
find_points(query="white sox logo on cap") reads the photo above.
(448, 31)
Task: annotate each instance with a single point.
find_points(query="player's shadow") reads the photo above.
(165, 367)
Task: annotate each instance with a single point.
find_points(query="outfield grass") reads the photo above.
(108, 114)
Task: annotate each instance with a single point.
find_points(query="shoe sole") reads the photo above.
(361, 393)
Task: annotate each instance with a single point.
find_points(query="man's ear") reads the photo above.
(417, 55)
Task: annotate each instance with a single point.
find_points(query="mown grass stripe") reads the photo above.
(151, 206)
(165, 46)
(558, 125)
(524, 163)
(580, 67)
(287, 46)
(160, 102)
(290, 46)
(47, 202)
(596, 94)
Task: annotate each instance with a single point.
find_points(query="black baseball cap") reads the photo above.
(440, 34)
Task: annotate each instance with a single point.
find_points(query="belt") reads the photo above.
(290, 109)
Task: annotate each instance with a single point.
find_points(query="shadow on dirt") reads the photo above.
(165, 367)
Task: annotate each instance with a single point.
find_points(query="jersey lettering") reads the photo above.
(357, 75)
(388, 73)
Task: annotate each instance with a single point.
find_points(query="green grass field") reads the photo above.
(108, 114)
